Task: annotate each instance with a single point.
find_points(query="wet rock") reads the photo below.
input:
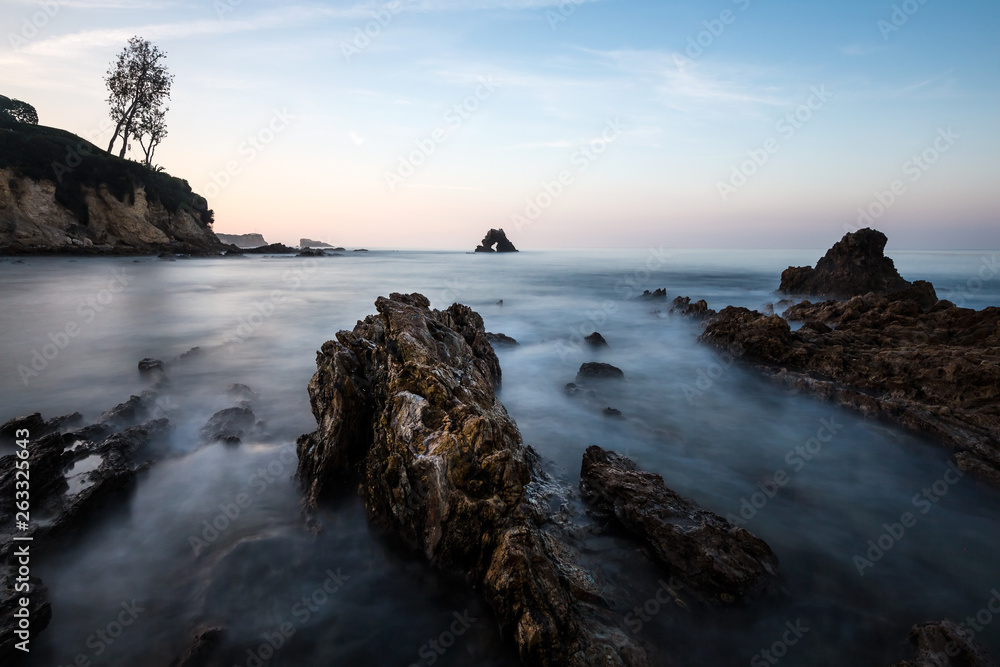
(204, 648)
(39, 612)
(612, 412)
(655, 294)
(131, 412)
(945, 643)
(312, 252)
(710, 555)
(230, 426)
(855, 265)
(937, 371)
(38, 427)
(242, 392)
(698, 310)
(598, 370)
(148, 366)
(407, 414)
(500, 339)
(272, 249)
(596, 340)
(192, 353)
(496, 237)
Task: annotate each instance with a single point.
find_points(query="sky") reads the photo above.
(568, 123)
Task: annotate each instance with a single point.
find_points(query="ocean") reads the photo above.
(163, 559)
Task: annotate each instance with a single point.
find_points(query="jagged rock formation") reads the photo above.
(854, 266)
(496, 237)
(60, 193)
(243, 240)
(945, 643)
(935, 370)
(406, 402)
(595, 340)
(698, 310)
(710, 555)
(500, 339)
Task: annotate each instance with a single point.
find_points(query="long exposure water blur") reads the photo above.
(714, 431)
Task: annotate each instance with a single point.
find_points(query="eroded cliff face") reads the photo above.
(31, 219)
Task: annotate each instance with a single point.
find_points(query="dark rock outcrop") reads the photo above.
(309, 243)
(598, 370)
(500, 339)
(710, 555)
(150, 366)
(496, 237)
(272, 249)
(945, 643)
(660, 293)
(231, 426)
(855, 265)
(698, 310)
(312, 252)
(406, 403)
(243, 241)
(596, 340)
(936, 371)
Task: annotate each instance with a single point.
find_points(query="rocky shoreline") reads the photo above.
(901, 355)
(407, 414)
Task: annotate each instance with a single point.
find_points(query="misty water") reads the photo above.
(713, 430)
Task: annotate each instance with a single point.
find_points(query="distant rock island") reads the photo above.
(309, 243)
(60, 193)
(496, 237)
(243, 240)
(854, 266)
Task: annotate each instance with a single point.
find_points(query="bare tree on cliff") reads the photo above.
(138, 83)
(150, 129)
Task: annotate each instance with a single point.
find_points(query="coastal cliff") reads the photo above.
(60, 193)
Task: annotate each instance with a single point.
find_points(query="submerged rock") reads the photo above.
(496, 237)
(855, 265)
(595, 369)
(230, 426)
(272, 249)
(406, 403)
(710, 555)
(655, 294)
(500, 339)
(148, 366)
(596, 340)
(945, 643)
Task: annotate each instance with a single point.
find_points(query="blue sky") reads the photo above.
(293, 126)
